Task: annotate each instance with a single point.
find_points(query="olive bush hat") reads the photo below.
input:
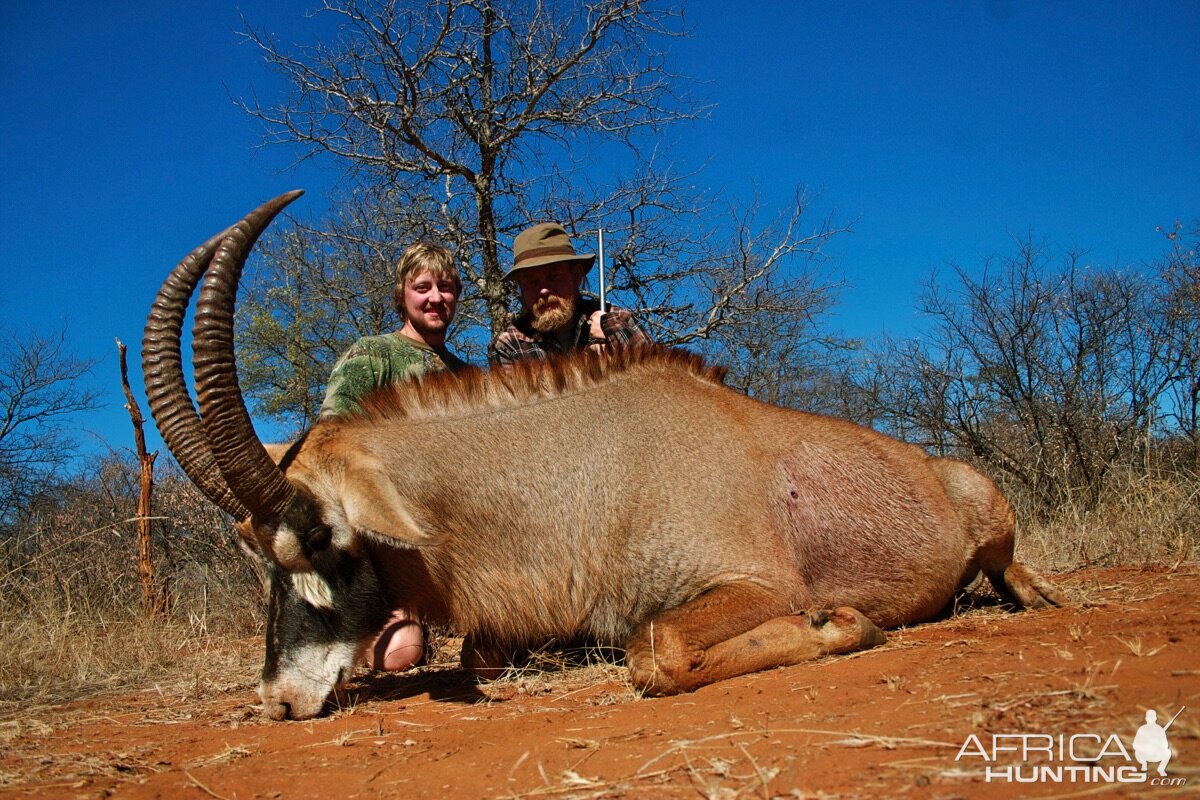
(544, 243)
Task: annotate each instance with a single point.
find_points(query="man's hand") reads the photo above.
(594, 330)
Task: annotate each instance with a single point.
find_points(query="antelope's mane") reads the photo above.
(470, 390)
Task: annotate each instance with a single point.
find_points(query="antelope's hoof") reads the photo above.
(869, 634)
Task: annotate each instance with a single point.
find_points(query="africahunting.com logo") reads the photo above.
(1075, 758)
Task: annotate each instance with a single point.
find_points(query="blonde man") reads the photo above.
(426, 296)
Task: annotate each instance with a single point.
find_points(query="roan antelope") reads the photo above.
(629, 498)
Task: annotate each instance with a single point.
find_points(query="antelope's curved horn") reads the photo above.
(250, 473)
(166, 388)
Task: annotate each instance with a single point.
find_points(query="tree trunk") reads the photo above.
(153, 599)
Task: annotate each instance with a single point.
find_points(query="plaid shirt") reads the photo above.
(521, 342)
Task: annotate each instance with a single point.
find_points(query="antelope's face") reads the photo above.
(318, 624)
(324, 607)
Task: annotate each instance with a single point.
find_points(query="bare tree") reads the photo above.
(154, 602)
(762, 304)
(39, 391)
(1179, 284)
(464, 121)
(465, 105)
(1048, 373)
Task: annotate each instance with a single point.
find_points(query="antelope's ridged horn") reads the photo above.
(166, 388)
(251, 474)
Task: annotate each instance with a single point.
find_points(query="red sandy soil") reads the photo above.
(891, 722)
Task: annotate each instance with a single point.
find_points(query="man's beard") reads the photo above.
(552, 313)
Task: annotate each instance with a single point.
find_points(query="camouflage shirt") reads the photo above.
(521, 342)
(376, 361)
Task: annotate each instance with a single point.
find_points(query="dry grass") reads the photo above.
(56, 651)
(1140, 520)
(563, 671)
(70, 620)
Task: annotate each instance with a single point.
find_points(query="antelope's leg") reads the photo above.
(1023, 587)
(488, 660)
(722, 634)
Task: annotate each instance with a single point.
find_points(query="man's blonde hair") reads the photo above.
(420, 257)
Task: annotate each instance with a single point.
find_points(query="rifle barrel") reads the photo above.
(1172, 722)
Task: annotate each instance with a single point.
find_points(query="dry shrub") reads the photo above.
(1138, 519)
(57, 651)
(71, 622)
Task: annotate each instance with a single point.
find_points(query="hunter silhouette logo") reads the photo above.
(1081, 757)
(1150, 744)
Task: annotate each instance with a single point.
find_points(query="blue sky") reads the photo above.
(942, 130)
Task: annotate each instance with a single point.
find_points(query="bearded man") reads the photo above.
(549, 275)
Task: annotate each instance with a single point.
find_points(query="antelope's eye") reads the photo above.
(319, 537)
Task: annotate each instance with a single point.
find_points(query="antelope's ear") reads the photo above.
(245, 530)
(371, 503)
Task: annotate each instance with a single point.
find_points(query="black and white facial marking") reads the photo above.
(301, 540)
(312, 647)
